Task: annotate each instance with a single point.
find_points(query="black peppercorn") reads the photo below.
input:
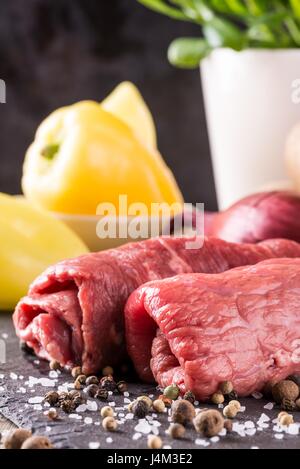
(63, 395)
(92, 380)
(122, 387)
(232, 396)
(67, 406)
(189, 396)
(92, 390)
(140, 409)
(74, 394)
(108, 383)
(52, 397)
(77, 401)
(26, 349)
(288, 404)
(101, 394)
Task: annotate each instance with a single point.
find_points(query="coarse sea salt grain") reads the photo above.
(94, 445)
(36, 400)
(81, 408)
(13, 376)
(201, 442)
(2, 376)
(257, 395)
(127, 401)
(293, 429)
(88, 420)
(4, 336)
(136, 436)
(92, 406)
(126, 394)
(269, 406)
(37, 407)
(1, 388)
(249, 424)
(167, 447)
(129, 416)
(264, 418)
(109, 439)
(143, 427)
(215, 439)
(75, 417)
(53, 374)
(250, 431)
(278, 436)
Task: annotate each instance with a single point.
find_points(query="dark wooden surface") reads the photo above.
(69, 433)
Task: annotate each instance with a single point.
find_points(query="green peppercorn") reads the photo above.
(172, 392)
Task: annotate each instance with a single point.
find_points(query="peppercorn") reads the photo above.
(110, 424)
(92, 390)
(122, 387)
(73, 394)
(54, 365)
(108, 383)
(226, 387)
(76, 371)
(217, 398)
(146, 399)
(52, 414)
(92, 380)
(288, 404)
(230, 411)
(16, 438)
(228, 425)
(182, 412)
(232, 396)
(285, 389)
(159, 406)
(101, 394)
(295, 379)
(209, 422)
(286, 419)
(140, 409)
(107, 371)
(107, 411)
(189, 396)
(154, 442)
(37, 442)
(172, 391)
(77, 401)
(62, 396)
(166, 400)
(235, 404)
(176, 430)
(68, 406)
(52, 397)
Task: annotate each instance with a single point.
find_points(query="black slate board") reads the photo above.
(68, 433)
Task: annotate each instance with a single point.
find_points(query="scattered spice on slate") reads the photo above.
(107, 371)
(209, 423)
(122, 387)
(101, 394)
(172, 392)
(107, 411)
(37, 442)
(189, 396)
(108, 383)
(183, 412)
(110, 424)
(52, 397)
(54, 365)
(76, 371)
(288, 405)
(217, 398)
(92, 380)
(159, 406)
(176, 430)
(285, 389)
(52, 414)
(147, 400)
(140, 409)
(226, 387)
(92, 390)
(16, 438)
(230, 411)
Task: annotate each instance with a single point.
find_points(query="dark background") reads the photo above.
(56, 52)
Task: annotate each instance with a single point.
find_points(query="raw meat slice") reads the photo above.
(74, 311)
(197, 330)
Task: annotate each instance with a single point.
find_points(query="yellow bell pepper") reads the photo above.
(30, 240)
(83, 155)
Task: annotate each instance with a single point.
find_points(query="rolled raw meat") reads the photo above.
(74, 312)
(198, 330)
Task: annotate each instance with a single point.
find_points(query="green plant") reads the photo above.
(238, 24)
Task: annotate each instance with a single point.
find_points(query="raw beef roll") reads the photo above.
(74, 312)
(197, 330)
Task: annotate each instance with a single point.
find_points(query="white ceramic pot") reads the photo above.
(252, 99)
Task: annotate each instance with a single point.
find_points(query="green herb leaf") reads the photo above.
(161, 7)
(295, 5)
(187, 52)
(49, 151)
(222, 33)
